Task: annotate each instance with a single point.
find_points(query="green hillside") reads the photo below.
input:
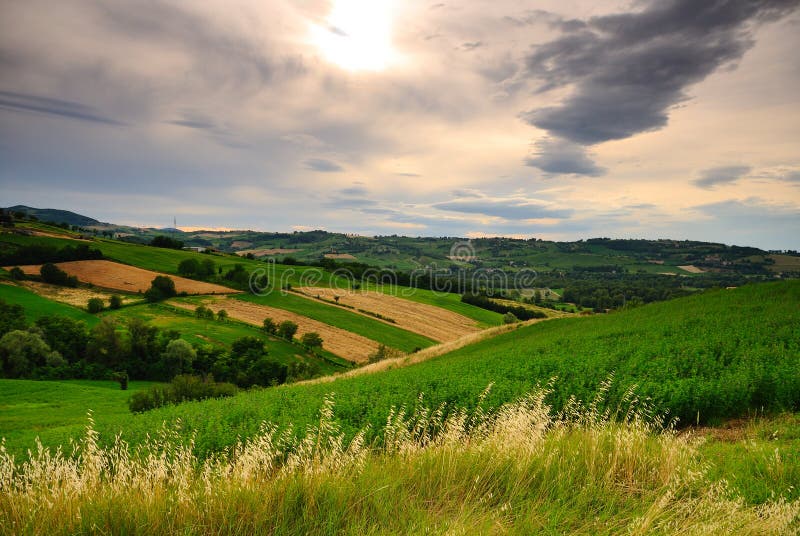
(709, 356)
(37, 306)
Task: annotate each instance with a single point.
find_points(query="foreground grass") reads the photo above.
(514, 471)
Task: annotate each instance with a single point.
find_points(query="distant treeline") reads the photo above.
(56, 347)
(40, 253)
(484, 302)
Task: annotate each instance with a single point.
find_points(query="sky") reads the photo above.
(558, 120)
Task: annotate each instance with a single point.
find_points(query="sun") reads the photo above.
(357, 35)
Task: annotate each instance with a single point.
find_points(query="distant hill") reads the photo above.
(55, 215)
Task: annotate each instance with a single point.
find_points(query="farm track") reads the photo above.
(345, 344)
(430, 321)
(116, 276)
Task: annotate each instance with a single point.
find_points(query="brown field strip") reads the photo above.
(77, 297)
(112, 275)
(433, 322)
(343, 343)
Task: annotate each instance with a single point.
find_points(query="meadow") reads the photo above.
(37, 306)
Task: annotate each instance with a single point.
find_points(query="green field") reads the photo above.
(710, 356)
(342, 318)
(58, 410)
(37, 306)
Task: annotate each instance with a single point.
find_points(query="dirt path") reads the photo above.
(116, 276)
(343, 343)
(433, 322)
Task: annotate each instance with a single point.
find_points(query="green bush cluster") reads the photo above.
(182, 388)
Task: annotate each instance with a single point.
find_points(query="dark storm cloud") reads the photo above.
(720, 175)
(44, 105)
(630, 69)
(512, 209)
(323, 166)
(563, 157)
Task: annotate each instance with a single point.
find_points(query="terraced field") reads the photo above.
(433, 322)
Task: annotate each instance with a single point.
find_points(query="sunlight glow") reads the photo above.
(358, 35)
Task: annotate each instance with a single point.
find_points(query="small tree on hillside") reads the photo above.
(287, 329)
(222, 315)
(115, 302)
(311, 340)
(270, 326)
(95, 305)
(161, 288)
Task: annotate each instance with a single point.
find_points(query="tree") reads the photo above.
(65, 335)
(17, 274)
(161, 288)
(204, 312)
(287, 329)
(178, 357)
(24, 353)
(162, 241)
(95, 305)
(106, 346)
(189, 267)
(12, 317)
(222, 314)
(311, 340)
(56, 276)
(115, 302)
(270, 326)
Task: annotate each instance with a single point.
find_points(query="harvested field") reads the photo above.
(338, 341)
(112, 275)
(346, 256)
(692, 269)
(263, 252)
(77, 297)
(239, 244)
(433, 322)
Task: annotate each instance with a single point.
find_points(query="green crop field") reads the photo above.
(709, 356)
(342, 318)
(58, 409)
(37, 306)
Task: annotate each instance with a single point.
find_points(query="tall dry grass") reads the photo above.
(516, 470)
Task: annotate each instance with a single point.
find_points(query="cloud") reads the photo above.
(629, 70)
(472, 45)
(561, 157)
(511, 209)
(19, 102)
(709, 178)
(792, 176)
(354, 191)
(322, 165)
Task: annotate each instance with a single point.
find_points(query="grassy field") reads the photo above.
(37, 306)
(517, 471)
(715, 355)
(342, 318)
(58, 409)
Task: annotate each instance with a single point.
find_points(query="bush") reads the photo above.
(509, 318)
(17, 273)
(115, 302)
(483, 301)
(204, 312)
(56, 276)
(95, 305)
(183, 388)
